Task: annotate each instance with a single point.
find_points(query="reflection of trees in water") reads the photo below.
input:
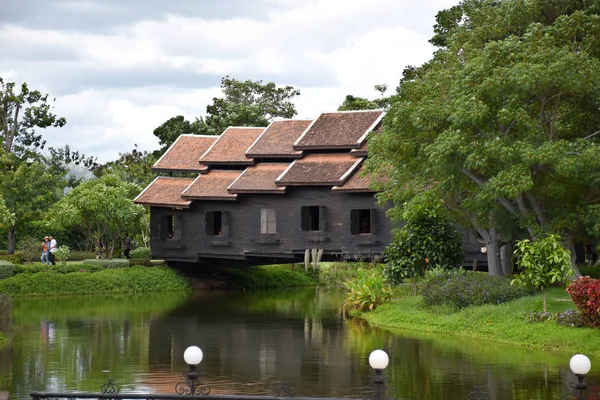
(5, 313)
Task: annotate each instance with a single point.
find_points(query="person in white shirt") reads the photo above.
(52, 249)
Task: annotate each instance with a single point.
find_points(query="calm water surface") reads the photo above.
(251, 341)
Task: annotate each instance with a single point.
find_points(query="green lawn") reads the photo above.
(500, 323)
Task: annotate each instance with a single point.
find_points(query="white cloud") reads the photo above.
(115, 86)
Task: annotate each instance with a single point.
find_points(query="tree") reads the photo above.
(543, 263)
(7, 219)
(29, 187)
(170, 130)
(504, 120)
(246, 103)
(361, 103)
(104, 208)
(427, 240)
(133, 167)
(21, 114)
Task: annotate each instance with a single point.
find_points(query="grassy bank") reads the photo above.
(122, 280)
(504, 323)
(269, 276)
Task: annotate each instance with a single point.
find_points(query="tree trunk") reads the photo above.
(493, 257)
(11, 240)
(506, 252)
(576, 272)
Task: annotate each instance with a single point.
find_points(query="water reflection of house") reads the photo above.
(269, 194)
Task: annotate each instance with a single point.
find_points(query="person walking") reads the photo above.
(45, 258)
(52, 249)
(126, 245)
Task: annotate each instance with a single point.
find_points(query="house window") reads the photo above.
(363, 222)
(217, 223)
(313, 218)
(170, 227)
(268, 221)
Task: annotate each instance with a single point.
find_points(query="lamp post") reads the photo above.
(378, 360)
(192, 385)
(580, 365)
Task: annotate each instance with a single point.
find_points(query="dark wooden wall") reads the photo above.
(245, 242)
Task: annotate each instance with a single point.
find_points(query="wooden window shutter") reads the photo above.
(263, 221)
(271, 221)
(209, 217)
(374, 223)
(225, 223)
(355, 222)
(322, 218)
(306, 218)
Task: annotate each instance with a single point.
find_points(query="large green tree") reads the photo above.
(104, 207)
(361, 103)
(504, 120)
(133, 167)
(245, 103)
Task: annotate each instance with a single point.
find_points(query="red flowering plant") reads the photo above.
(585, 292)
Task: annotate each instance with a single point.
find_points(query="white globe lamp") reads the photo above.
(192, 355)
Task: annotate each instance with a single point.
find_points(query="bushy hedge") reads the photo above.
(469, 289)
(266, 277)
(140, 252)
(6, 269)
(122, 280)
(585, 292)
(108, 263)
(82, 255)
(34, 268)
(15, 258)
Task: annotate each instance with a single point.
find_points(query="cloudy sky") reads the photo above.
(120, 68)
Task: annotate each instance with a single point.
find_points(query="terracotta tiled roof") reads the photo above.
(361, 152)
(277, 140)
(184, 153)
(339, 130)
(211, 186)
(231, 147)
(356, 183)
(259, 178)
(165, 191)
(319, 169)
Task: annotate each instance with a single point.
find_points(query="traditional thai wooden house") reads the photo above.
(265, 195)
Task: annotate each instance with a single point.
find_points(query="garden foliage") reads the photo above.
(542, 263)
(568, 318)
(427, 240)
(15, 258)
(585, 293)
(265, 277)
(6, 269)
(460, 290)
(140, 252)
(108, 263)
(124, 280)
(367, 291)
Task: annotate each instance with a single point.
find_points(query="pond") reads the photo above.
(251, 341)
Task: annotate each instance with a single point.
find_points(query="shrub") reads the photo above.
(34, 268)
(140, 252)
(140, 261)
(125, 280)
(367, 291)
(570, 318)
(585, 292)
(543, 263)
(62, 254)
(6, 270)
(15, 258)
(108, 263)
(469, 289)
(31, 248)
(427, 240)
(539, 316)
(81, 255)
